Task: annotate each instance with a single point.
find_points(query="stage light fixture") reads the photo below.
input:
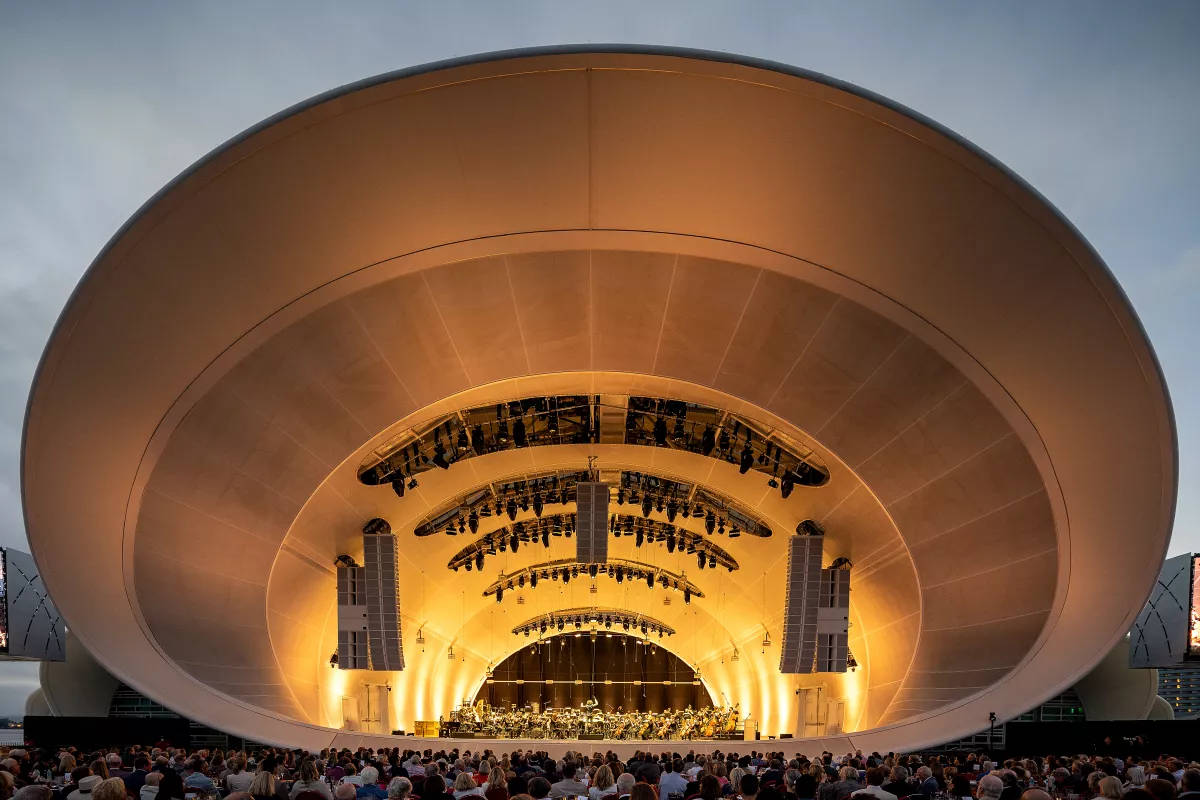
(708, 440)
(537, 504)
(473, 522)
(479, 559)
(533, 580)
(398, 486)
(747, 460)
(650, 579)
(439, 455)
(647, 505)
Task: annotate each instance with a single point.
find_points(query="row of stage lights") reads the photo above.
(646, 423)
(619, 573)
(560, 623)
(565, 525)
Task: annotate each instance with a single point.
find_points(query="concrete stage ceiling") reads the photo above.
(847, 275)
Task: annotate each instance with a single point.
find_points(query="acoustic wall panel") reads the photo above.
(380, 572)
(1161, 632)
(30, 625)
(591, 523)
(801, 594)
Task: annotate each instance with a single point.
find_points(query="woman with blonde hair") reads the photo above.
(464, 785)
(263, 785)
(109, 789)
(603, 784)
(496, 787)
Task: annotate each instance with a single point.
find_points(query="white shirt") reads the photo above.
(875, 791)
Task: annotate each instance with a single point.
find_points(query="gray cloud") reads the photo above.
(1093, 103)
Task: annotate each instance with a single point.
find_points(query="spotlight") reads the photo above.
(747, 460)
(510, 508)
(671, 543)
(477, 440)
(650, 579)
(620, 574)
(701, 560)
(499, 593)
(621, 496)
(333, 660)
(708, 441)
(710, 522)
(660, 432)
(787, 484)
(537, 504)
(647, 505)
(566, 576)
(521, 581)
(723, 440)
(533, 580)
(687, 595)
(463, 442)
(519, 432)
(638, 542)
(479, 559)
(439, 456)
(398, 486)
(412, 482)
(514, 542)
(545, 537)
(473, 522)
(592, 570)
(712, 562)
(673, 510)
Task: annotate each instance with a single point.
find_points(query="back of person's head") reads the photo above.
(848, 773)
(171, 786)
(625, 783)
(344, 791)
(875, 776)
(538, 788)
(153, 778)
(603, 778)
(109, 789)
(399, 788)
(989, 787)
(263, 784)
(1110, 787)
(748, 786)
(1190, 782)
(369, 775)
(34, 791)
(642, 791)
(568, 769)
(710, 788)
(1161, 788)
(463, 783)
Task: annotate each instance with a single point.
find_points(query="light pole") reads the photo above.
(991, 731)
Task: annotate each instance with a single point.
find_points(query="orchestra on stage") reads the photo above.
(590, 722)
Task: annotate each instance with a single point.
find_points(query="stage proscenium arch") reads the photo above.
(635, 252)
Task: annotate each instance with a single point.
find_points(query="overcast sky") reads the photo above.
(1097, 104)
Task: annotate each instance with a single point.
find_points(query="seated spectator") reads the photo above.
(625, 784)
(309, 781)
(369, 789)
(399, 789)
(1161, 788)
(465, 786)
(748, 786)
(496, 786)
(1189, 784)
(149, 790)
(86, 786)
(989, 787)
(874, 787)
(110, 789)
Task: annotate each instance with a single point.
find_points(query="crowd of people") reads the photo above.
(168, 773)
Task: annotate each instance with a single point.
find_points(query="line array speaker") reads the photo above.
(801, 597)
(591, 523)
(380, 556)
